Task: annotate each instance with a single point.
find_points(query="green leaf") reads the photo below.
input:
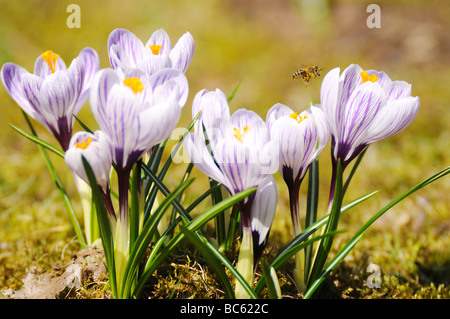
(233, 94)
(84, 126)
(39, 141)
(211, 258)
(157, 257)
(311, 208)
(355, 239)
(143, 240)
(273, 286)
(104, 225)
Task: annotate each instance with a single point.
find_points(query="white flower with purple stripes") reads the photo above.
(238, 153)
(137, 111)
(363, 107)
(127, 51)
(54, 92)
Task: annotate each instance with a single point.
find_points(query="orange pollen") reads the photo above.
(366, 77)
(155, 48)
(239, 133)
(50, 57)
(134, 84)
(297, 117)
(84, 144)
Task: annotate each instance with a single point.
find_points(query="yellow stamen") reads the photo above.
(84, 144)
(298, 118)
(134, 84)
(239, 133)
(50, 57)
(155, 48)
(366, 77)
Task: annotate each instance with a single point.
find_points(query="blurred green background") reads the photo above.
(260, 43)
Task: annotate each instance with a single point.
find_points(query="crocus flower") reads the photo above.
(54, 92)
(96, 149)
(127, 51)
(136, 111)
(363, 107)
(243, 157)
(301, 138)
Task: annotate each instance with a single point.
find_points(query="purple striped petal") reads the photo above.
(131, 46)
(84, 68)
(172, 75)
(153, 63)
(263, 210)
(103, 81)
(96, 150)
(11, 76)
(361, 109)
(160, 37)
(199, 155)
(212, 105)
(183, 52)
(42, 69)
(276, 111)
(393, 118)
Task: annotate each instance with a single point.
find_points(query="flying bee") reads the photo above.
(306, 73)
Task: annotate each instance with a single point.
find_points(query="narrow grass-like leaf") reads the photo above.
(73, 218)
(233, 94)
(193, 225)
(271, 281)
(104, 225)
(84, 126)
(311, 208)
(143, 240)
(341, 255)
(326, 244)
(39, 141)
(215, 263)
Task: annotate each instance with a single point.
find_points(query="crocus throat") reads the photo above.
(134, 84)
(366, 77)
(84, 144)
(297, 117)
(239, 133)
(50, 57)
(155, 48)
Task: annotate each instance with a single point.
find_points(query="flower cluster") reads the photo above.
(137, 104)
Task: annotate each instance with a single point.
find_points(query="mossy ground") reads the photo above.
(261, 43)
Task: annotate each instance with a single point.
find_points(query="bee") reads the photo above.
(306, 73)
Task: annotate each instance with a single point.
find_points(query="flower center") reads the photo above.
(84, 143)
(366, 77)
(50, 57)
(239, 133)
(134, 84)
(155, 48)
(297, 117)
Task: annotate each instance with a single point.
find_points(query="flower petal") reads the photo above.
(393, 118)
(11, 76)
(131, 46)
(199, 155)
(84, 68)
(172, 75)
(98, 98)
(182, 52)
(276, 111)
(160, 37)
(263, 210)
(42, 69)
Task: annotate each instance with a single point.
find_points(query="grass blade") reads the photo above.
(39, 141)
(104, 225)
(316, 284)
